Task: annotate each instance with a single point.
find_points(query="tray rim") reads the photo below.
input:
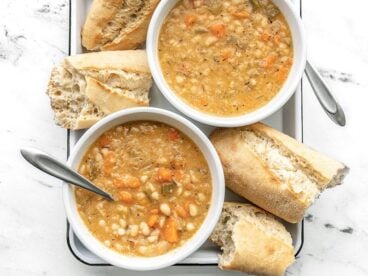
(68, 228)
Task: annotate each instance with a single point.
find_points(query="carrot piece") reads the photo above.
(282, 74)
(118, 183)
(126, 197)
(173, 134)
(265, 37)
(189, 20)
(181, 211)
(218, 30)
(203, 101)
(154, 211)
(227, 53)
(164, 175)
(104, 141)
(187, 203)
(241, 15)
(152, 220)
(107, 168)
(276, 39)
(178, 174)
(269, 61)
(170, 233)
(189, 187)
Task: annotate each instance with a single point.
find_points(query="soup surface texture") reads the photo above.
(161, 183)
(225, 57)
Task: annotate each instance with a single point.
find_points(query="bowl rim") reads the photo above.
(285, 93)
(157, 262)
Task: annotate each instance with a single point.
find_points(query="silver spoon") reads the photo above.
(51, 166)
(324, 96)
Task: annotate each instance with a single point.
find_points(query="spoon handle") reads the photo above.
(324, 96)
(53, 167)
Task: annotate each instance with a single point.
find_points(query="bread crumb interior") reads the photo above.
(293, 177)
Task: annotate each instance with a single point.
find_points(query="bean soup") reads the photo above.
(161, 184)
(225, 57)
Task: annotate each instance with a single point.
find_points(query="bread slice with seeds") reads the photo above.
(87, 87)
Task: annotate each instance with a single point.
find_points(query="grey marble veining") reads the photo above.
(34, 37)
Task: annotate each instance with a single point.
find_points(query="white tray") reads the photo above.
(289, 120)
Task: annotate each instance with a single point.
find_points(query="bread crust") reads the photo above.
(255, 250)
(102, 12)
(324, 169)
(130, 60)
(107, 99)
(247, 175)
(87, 87)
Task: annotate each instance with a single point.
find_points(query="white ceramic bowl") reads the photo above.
(287, 90)
(218, 189)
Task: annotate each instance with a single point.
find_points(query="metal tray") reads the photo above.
(288, 119)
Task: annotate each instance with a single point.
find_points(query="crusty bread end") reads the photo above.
(252, 241)
(117, 24)
(85, 88)
(273, 170)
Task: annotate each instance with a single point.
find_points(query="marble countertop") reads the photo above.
(34, 37)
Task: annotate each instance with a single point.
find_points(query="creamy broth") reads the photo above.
(228, 57)
(161, 183)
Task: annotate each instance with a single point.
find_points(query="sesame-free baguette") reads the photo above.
(273, 170)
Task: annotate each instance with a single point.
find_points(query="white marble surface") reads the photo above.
(34, 37)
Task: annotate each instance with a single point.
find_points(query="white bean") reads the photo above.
(193, 210)
(121, 231)
(190, 226)
(201, 197)
(179, 79)
(98, 157)
(133, 230)
(144, 228)
(143, 249)
(155, 232)
(118, 246)
(161, 222)
(105, 151)
(165, 209)
(123, 208)
(114, 226)
(119, 129)
(152, 239)
(210, 40)
(151, 187)
(155, 196)
(140, 196)
(162, 161)
(193, 177)
(144, 178)
(101, 222)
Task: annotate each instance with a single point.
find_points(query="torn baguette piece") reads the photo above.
(252, 240)
(117, 24)
(273, 170)
(87, 87)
